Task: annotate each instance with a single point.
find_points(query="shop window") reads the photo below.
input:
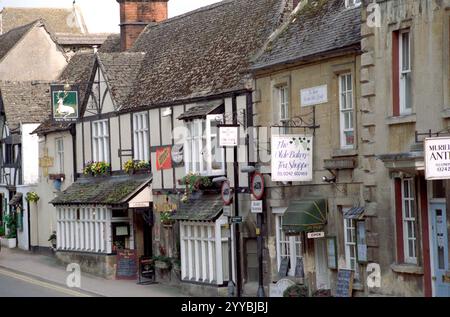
(288, 247)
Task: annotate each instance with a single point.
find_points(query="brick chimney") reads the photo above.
(135, 15)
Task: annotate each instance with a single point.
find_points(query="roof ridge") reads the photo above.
(38, 8)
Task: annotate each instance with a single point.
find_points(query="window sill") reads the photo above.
(402, 119)
(344, 152)
(407, 269)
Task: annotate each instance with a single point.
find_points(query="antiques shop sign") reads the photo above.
(292, 158)
(437, 158)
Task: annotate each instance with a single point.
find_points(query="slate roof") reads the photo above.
(202, 53)
(25, 102)
(111, 44)
(114, 190)
(320, 27)
(59, 20)
(203, 208)
(201, 111)
(10, 39)
(78, 71)
(120, 70)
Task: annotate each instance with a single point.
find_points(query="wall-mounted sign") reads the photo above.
(316, 235)
(257, 207)
(164, 158)
(314, 96)
(236, 219)
(65, 103)
(292, 158)
(122, 231)
(227, 210)
(257, 186)
(227, 196)
(138, 204)
(228, 135)
(177, 155)
(437, 158)
(344, 286)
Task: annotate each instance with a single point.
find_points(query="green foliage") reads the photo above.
(2, 231)
(165, 259)
(11, 224)
(193, 181)
(32, 197)
(97, 168)
(166, 217)
(296, 291)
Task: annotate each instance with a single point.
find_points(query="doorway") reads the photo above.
(320, 253)
(439, 250)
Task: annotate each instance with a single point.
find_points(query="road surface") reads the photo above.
(14, 284)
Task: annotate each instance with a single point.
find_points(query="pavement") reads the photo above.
(45, 272)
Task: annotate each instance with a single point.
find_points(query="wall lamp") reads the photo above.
(330, 179)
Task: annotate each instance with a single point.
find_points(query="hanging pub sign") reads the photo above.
(257, 186)
(292, 158)
(65, 103)
(164, 158)
(437, 158)
(228, 135)
(227, 196)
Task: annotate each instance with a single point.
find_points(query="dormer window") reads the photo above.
(352, 3)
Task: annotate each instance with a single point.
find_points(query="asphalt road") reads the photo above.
(17, 285)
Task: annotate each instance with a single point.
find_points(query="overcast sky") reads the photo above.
(103, 15)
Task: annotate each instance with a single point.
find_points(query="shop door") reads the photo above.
(439, 246)
(320, 250)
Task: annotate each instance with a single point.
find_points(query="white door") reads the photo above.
(320, 250)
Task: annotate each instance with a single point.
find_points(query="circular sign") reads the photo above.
(227, 196)
(257, 186)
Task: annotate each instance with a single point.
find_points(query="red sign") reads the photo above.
(227, 196)
(257, 186)
(164, 158)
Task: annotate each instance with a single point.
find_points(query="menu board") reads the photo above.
(126, 265)
(299, 271)
(146, 270)
(284, 267)
(344, 283)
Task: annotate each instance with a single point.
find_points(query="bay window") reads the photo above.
(202, 152)
(100, 141)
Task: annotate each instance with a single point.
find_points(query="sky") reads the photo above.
(103, 15)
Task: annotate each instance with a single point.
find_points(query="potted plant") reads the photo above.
(296, 291)
(32, 197)
(132, 166)
(52, 239)
(97, 168)
(11, 225)
(166, 219)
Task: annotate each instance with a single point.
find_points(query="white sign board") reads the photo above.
(228, 136)
(314, 96)
(316, 235)
(227, 211)
(257, 206)
(437, 158)
(292, 158)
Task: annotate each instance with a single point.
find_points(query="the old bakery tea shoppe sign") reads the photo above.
(292, 158)
(437, 158)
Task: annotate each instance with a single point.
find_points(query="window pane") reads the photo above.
(405, 51)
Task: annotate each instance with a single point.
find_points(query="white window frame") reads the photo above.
(287, 246)
(352, 3)
(346, 108)
(405, 74)
(199, 144)
(100, 141)
(141, 149)
(351, 262)
(202, 250)
(59, 149)
(283, 107)
(409, 219)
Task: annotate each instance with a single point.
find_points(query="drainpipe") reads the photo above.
(73, 133)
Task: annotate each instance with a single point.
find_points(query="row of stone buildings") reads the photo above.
(365, 82)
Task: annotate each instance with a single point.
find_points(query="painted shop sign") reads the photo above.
(314, 96)
(65, 103)
(437, 158)
(292, 158)
(164, 158)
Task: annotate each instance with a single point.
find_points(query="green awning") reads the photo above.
(305, 216)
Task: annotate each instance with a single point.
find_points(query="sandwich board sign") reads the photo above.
(65, 103)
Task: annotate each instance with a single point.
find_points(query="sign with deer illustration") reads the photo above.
(65, 103)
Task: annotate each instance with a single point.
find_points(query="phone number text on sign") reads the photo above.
(292, 158)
